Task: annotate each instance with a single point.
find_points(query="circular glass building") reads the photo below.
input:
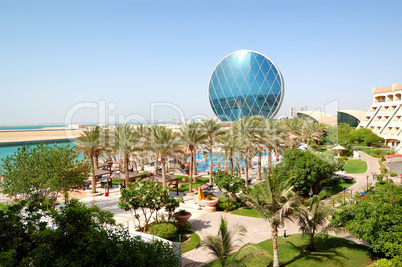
(245, 83)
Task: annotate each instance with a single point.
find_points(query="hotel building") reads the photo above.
(385, 115)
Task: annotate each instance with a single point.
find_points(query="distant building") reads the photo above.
(304, 108)
(293, 112)
(351, 117)
(318, 116)
(245, 83)
(384, 117)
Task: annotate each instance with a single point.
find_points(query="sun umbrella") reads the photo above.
(200, 195)
(187, 164)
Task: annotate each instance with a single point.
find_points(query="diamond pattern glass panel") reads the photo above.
(245, 83)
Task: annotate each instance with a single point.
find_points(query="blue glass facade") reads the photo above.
(245, 83)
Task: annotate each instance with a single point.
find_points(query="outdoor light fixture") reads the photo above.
(367, 183)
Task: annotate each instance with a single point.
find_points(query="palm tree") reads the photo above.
(231, 144)
(250, 136)
(125, 141)
(164, 143)
(192, 136)
(212, 128)
(313, 220)
(276, 202)
(275, 139)
(91, 143)
(223, 244)
(313, 133)
(294, 126)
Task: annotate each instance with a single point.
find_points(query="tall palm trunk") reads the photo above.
(269, 153)
(195, 163)
(156, 164)
(259, 166)
(274, 234)
(126, 161)
(210, 161)
(230, 162)
(246, 167)
(164, 172)
(93, 174)
(190, 177)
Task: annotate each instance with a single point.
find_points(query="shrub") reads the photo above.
(163, 230)
(229, 182)
(377, 154)
(184, 227)
(393, 174)
(227, 204)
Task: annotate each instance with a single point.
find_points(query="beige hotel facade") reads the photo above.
(385, 115)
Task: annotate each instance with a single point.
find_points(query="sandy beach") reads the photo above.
(37, 135)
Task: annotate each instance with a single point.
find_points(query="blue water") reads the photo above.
(10, 150)
(27, 127)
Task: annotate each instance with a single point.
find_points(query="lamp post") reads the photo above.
(367, 183)
(344, 193)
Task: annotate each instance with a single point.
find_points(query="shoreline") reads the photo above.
(8, 138)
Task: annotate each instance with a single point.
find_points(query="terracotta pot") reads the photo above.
(182, 218)
(184, 180)
(210, 203)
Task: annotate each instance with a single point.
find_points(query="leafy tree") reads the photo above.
(276, 202)
(305, 168)
(223, 244)
(230, 182)
(365, 135)
(378, 220)
(339, 134)
(78, 237)
(42, 170)
(147, 197)
(313, 220)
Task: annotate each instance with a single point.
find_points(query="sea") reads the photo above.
(10, 150)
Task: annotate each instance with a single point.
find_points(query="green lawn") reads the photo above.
(355, 166)
(339, 187)
(3, 206)
(371, 150)
(201, 180)
(190, 243)
(332, 251)
(247, 212)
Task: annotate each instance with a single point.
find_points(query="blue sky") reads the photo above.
(57, 54)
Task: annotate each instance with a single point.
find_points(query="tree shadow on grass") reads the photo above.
(325, 253)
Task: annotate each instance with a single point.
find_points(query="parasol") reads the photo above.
(200, 195)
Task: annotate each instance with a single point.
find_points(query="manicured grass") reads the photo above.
(247, 212)
(190, 243)
(201, 180)
(331, 251)
(371, 150)
(3, 206)
(355, 166)
(339, 187)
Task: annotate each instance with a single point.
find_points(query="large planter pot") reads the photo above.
(182, 218)
(210, 204)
